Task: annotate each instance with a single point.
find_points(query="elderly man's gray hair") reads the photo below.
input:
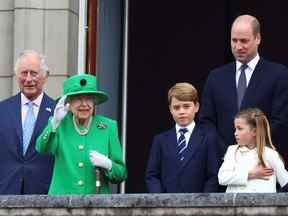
(43, 66)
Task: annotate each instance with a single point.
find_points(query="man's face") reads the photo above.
(30, 79)
(183, 112)
(244, 44)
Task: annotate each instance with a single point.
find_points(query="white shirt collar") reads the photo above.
(36, 102)
(246, 149)
(252, 64)
(189, 127)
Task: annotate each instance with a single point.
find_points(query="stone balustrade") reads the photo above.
(147, 204)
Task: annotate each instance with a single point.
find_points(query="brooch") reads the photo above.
(101, 125)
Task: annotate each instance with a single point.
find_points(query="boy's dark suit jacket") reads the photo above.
(267, 90)
(33, 170)
(198, 173)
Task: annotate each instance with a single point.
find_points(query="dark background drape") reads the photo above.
(176, 41)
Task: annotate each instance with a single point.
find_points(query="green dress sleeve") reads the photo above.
(47, 142)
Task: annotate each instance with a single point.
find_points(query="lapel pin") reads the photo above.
(48, 109)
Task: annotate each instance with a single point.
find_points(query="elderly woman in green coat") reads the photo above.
(81, 141)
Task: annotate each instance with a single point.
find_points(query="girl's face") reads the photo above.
(244, 134)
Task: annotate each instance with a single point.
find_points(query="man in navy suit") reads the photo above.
(25, 171)
(183, 159)
(266, 88)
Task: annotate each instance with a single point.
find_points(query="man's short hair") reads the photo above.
(43, 66)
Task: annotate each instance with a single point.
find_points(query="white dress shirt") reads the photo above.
(187, 135)
(238, 161)
(24, 107)
(249, 70)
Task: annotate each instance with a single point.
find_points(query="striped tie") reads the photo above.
(28, 126)
(182, 144)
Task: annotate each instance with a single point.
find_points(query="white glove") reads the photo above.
(99, 160)
(60, 112)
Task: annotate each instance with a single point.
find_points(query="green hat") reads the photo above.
(83, 84)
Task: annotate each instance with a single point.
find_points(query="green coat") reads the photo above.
(73, 172)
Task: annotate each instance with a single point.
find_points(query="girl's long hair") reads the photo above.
(255, 118)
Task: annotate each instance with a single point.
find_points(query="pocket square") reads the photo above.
(48, 109)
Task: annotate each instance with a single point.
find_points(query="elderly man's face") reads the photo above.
(30, 79)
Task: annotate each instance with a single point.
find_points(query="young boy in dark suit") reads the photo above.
(183, 159)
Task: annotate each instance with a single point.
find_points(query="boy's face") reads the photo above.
(183, 112)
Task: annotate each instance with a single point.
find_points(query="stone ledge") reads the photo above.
(194, 200)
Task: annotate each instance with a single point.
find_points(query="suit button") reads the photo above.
(80, 164)
(80, 182)
(81, 147)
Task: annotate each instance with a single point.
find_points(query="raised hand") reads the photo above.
(60, 112)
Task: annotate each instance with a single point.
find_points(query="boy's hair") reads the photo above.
(183, 92)
(255, 118)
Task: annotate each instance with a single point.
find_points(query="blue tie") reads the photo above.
(182, 144)
(242, 84)
(28, 126)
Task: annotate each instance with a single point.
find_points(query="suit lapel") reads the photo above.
(43, 115)
(194, 142)
(231, 86)
(255, 80)
(171, 146)
(16, 119)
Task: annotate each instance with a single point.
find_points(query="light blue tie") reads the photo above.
(28, 126)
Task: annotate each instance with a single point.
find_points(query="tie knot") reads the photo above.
(183, 130)
(30, 104)
(243, 67)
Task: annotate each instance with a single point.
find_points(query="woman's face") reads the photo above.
(82, 106)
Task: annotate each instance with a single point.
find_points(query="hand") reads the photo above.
(260, 172)
(60, 112)
(99, 160)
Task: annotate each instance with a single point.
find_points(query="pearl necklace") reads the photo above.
(84, 131)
